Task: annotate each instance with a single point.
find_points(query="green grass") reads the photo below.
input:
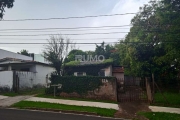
(172, 98)
(25, 92)
(160, 116)
(79, 99)
(98, 111)
(11, 94)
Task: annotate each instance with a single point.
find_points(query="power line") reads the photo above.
(67, 28)
(64, 18)
(97, 43)
(60, 43)
(64, 30)
(36, 46)
(67, 34)
(70, 38)
(79, 33)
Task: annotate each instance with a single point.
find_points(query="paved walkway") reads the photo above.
(75, 102)
(8, 101)
(164, 109)
(3, 97)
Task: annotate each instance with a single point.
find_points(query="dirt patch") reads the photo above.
(129, 110)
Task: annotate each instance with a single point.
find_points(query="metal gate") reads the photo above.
(131, 89)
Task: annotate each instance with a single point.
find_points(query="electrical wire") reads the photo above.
(70, 38)
(67, 28)
(65, 18)
(66, 34)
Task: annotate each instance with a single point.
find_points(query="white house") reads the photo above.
(20, 72)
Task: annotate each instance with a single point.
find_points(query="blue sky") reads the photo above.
(24, 9)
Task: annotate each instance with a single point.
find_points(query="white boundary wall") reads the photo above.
(6, 80)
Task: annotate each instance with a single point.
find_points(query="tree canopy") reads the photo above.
(152, 46)
(56, 52)
(3, 5)
(24, 52)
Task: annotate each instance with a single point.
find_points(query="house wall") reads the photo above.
(108, 71)
(33, 69)
(35, 78)
(119, 75)
(4, 54)
(26, 79)
(6, 80)
(42, 71)
(106, 91)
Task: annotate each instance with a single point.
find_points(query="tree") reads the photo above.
(72, 53)
(3, 5)
(105, 50)
(151, 46)
(24, 52)
(56, 52)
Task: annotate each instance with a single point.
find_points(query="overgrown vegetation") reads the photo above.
(90, 69)
(169, 99)
(44, 105)
(76, 63)
(152, 45)
(80, 85)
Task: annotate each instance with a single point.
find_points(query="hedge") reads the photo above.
(78, 84)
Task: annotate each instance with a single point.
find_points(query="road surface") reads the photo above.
(14, 114)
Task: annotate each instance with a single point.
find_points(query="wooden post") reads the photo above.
(148, 90)
(153, 87)
(54, 91)
(58, 85)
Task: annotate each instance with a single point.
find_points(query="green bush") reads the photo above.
(80, 85)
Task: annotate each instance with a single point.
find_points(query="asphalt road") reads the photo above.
(14, 114)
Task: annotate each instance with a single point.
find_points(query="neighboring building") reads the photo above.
(5, 53)
(39, 58)
(34, 57)
(29, 73)
(21, 71)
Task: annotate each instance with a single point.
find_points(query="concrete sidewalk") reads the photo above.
(8, 101)
(75, 102)
(164, 109)
(3, 97)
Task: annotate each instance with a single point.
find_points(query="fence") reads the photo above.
(131, 89)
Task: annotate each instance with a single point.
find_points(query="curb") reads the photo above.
(65, 112)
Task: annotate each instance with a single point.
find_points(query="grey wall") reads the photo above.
(36, 76)
(42, 71)
(4, 54)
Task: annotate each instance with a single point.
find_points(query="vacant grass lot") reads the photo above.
(98, 111)
(160, 116)
(172, 98)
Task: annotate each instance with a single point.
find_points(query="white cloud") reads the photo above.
(95, 8)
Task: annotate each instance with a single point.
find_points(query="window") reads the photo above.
(102, 73)
(25, 69)
(79, 74)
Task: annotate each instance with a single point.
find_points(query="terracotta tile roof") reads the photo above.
(119, 69)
